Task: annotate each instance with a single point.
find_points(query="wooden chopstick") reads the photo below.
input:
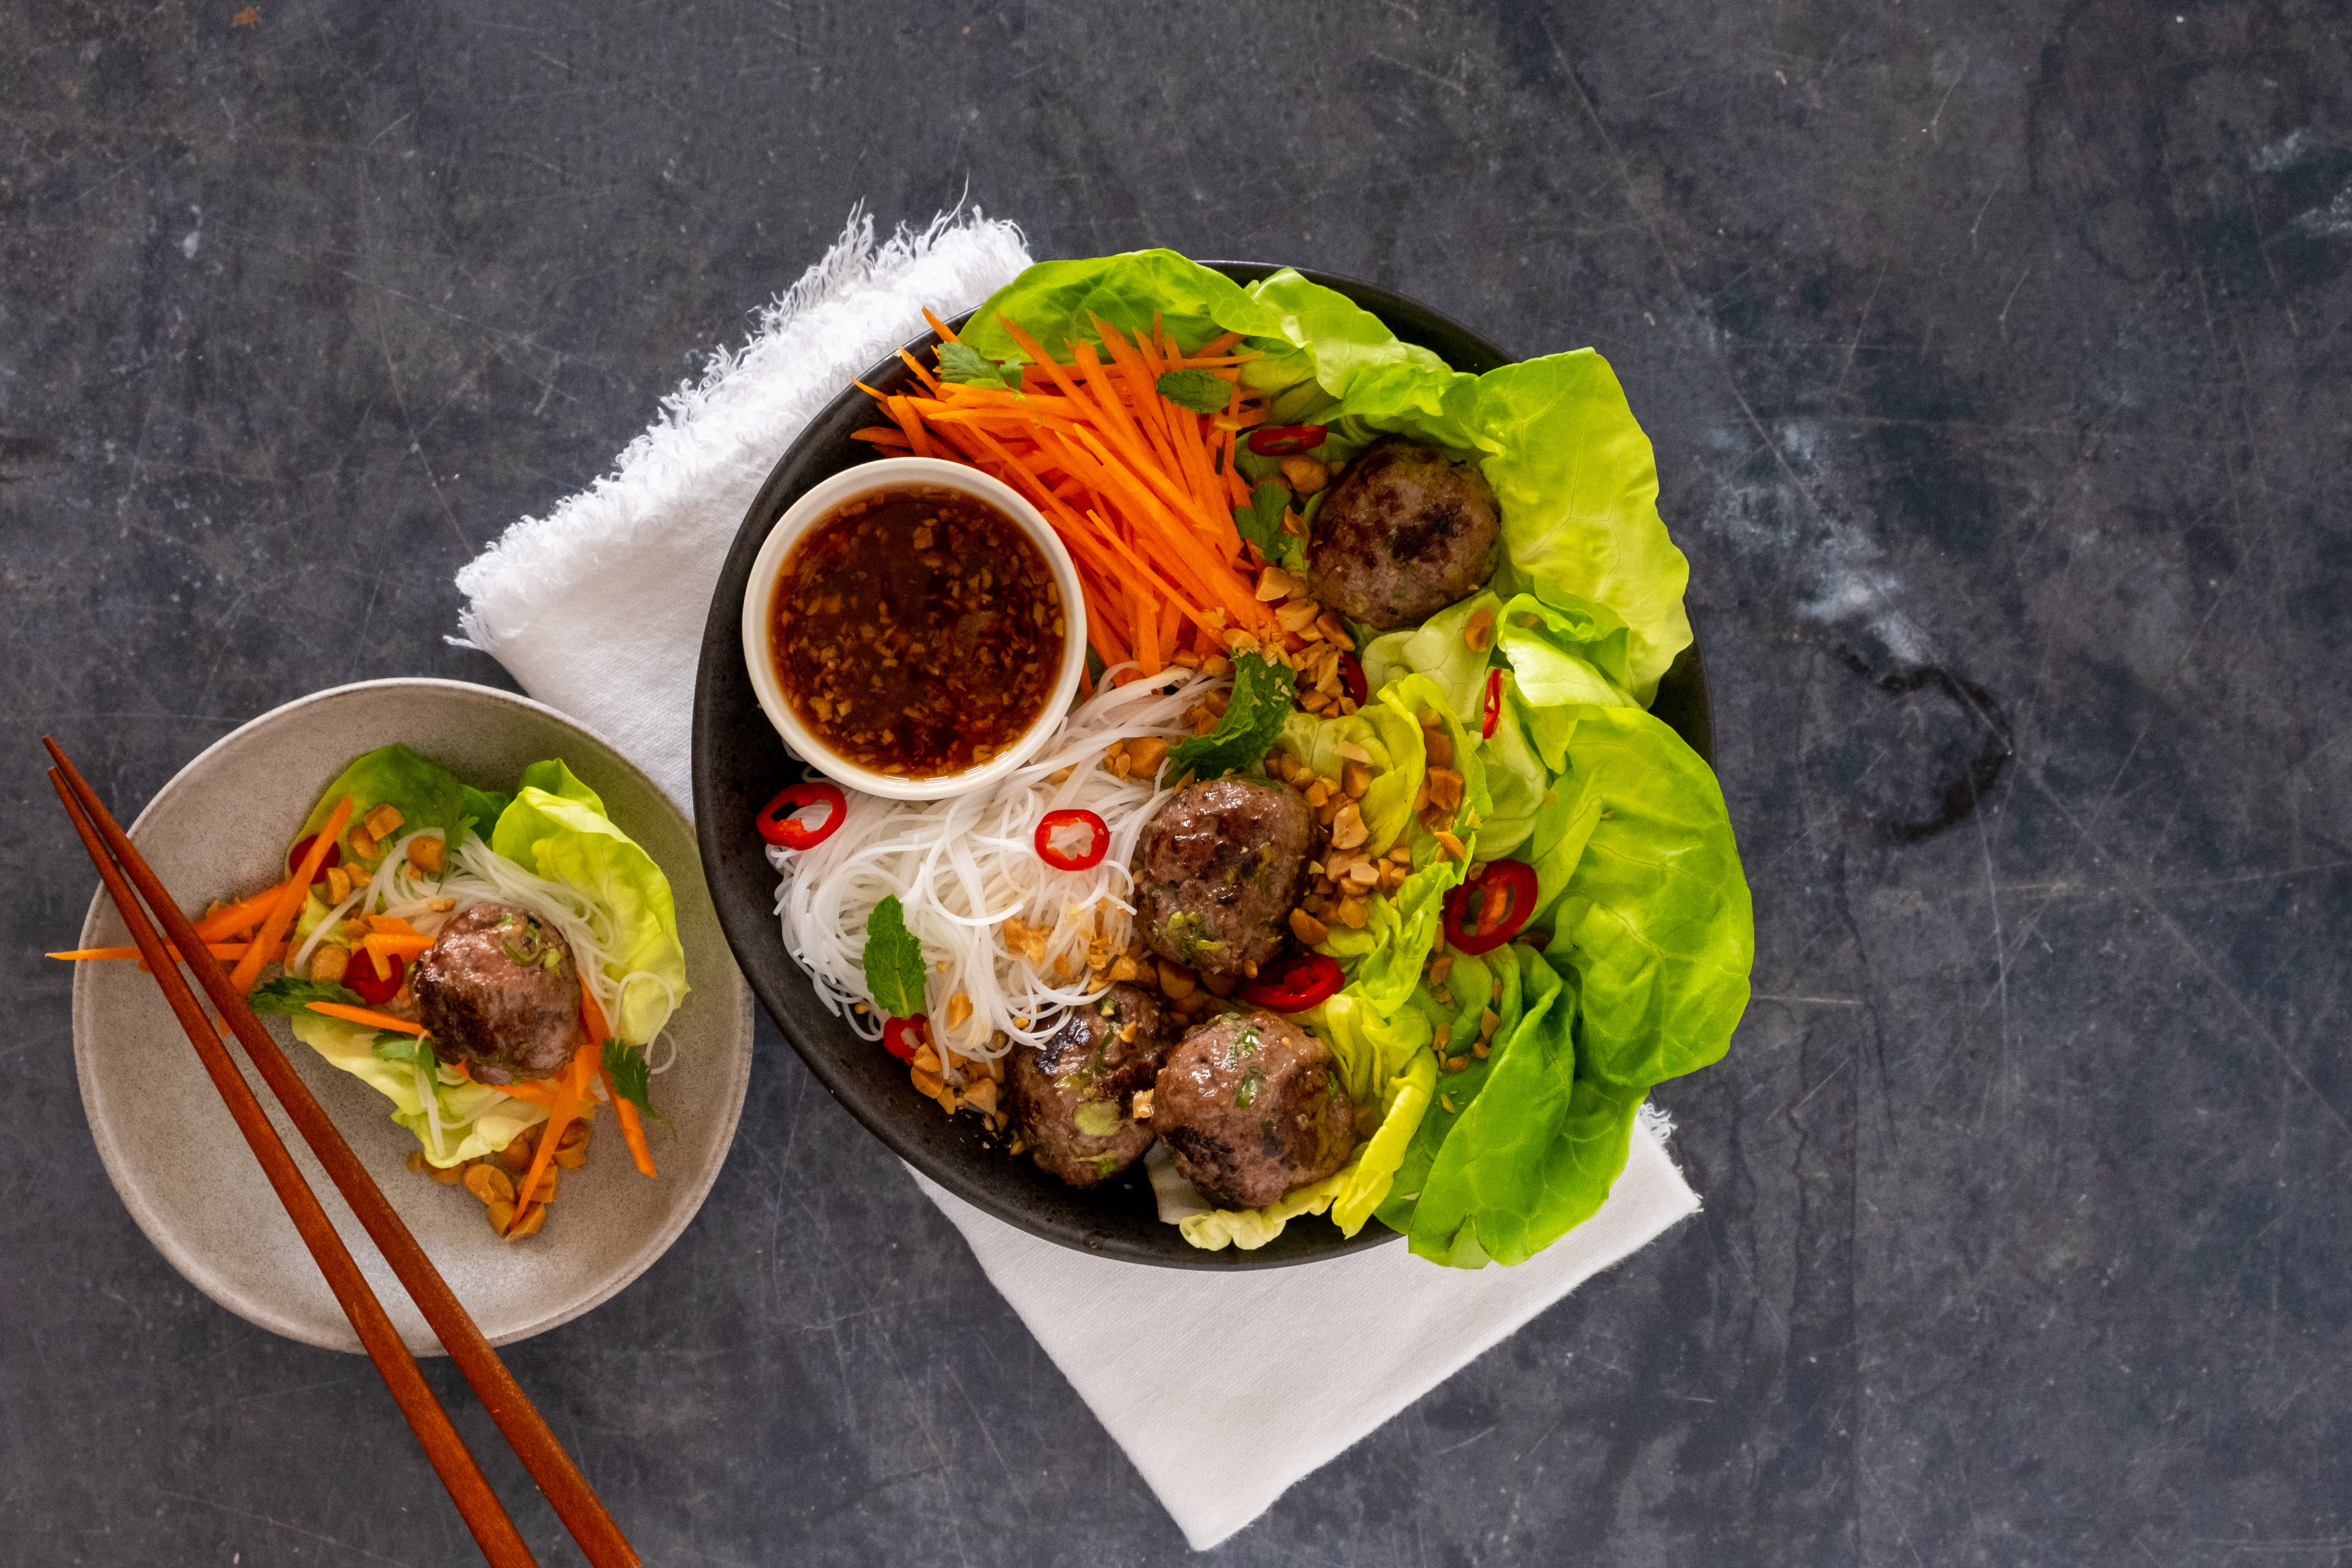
(451, 1459)
(574, 1501)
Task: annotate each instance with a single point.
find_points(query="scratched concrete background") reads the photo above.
(1995, 358)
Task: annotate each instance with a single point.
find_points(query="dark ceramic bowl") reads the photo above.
(739, 763)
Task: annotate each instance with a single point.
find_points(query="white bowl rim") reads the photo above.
(766, 577)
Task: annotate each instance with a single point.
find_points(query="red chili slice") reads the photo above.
(1488, 910)
(902, 1038)
(303, 847)
(1098, 844)
(374, 986)
(779, 821)
(1493, 709)
(1351, 674)
(1286, 440)
(1293, 986)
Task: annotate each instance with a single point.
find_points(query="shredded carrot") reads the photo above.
(351, 1015)
(289, 900)
(633, 1126)
(237, 919)
(531, 1089)
(384, 945)
(569, 1090)
(1141, 490)
(221, 950)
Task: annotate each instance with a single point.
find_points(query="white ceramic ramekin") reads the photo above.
(766, 579)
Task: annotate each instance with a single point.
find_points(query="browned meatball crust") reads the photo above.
(1252, 1106)
(1075, 1094)
(499, 992)
(1407, 531)
(1218, 871)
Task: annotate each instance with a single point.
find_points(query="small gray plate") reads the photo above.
(217, 830)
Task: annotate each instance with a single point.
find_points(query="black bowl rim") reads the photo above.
(752, 934)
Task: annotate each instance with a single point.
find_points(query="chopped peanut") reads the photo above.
(928, 1081)
(1444, 789)
(1487, 1023)
(362, 846)
(926, 1059)
(1444, 1037)
(1141, 1107)
(1275, 585)
(959, 1009)
(1307, 928)
(1479, 631)
(982, 1094)
(1175, 981)
(1347, 830)
(1355, 778)
(1306, 475)
(1317, 792)
(1297, 615)
(1352, 914)
(1451, 844)
(339, 884)
(1352, 751)
(329, 963)
(1122, 968)
(1440, 967)
(382, 820)
(424, 853)
(1027, 939)
(1439, 744)
(1144, 757)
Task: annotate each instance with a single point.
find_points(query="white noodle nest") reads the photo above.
(964, 865)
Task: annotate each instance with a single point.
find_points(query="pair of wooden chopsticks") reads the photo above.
(574, 1500)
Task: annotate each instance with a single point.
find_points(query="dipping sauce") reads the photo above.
(917, 631)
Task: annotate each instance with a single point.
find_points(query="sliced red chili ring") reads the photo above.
(902, 1038)
(373, 986)
(1295, 984)
(1086, 860)
(1286, 440)
(1488, 910)
(779, 821)
(302, 846)
(1351, 675)
(1493, 712)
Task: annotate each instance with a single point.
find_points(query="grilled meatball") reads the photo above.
(1406, 532)
(1219, 869)
(1252, 1106)
(499, 992)
(1074, 1094)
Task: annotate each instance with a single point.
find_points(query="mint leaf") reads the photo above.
(1197, 390)
(1253, 717)
(894, 960)
(288, 995)
(1260, 523)
(632, 1076)
(408, 1050)
(966, 366)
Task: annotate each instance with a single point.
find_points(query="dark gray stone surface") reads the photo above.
(1995, 356)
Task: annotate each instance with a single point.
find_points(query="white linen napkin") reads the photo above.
(641, 549)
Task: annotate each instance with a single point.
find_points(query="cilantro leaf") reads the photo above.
(288, 995)
(1260, 523)
(894, 960)
(967, 365)
(632, 1076)
(1253, 717)
(482, 807)
(1198, 390)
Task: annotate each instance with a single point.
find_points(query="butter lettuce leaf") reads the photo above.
(557, 828)
(425, 794)
(474, 1119)
(1653, 916)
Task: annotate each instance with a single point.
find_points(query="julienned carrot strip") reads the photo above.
(288, 902)
(930, 382)
(383, 945)
(946, 332)
(591, 1015)
(349, 1015)
(569, 1090)
(222, 950)
(632, 1129)
(241, 917)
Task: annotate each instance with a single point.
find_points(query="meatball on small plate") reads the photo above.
(501, 991)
